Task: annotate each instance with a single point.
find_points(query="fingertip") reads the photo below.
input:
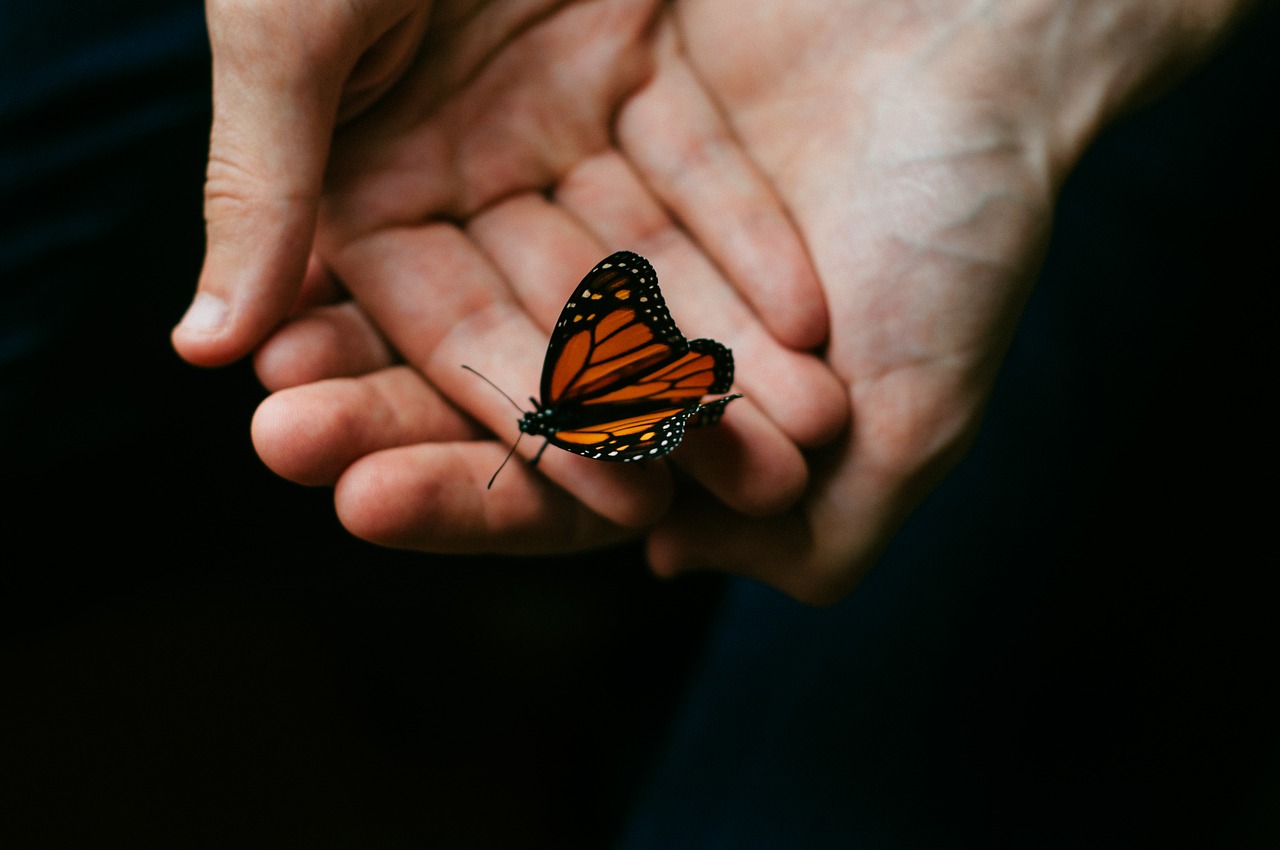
(783, 287)
(327, 342)
(702, 535)
(806, 399)
(670, 557)
(362, 505)
(207, 315)
(280, 362)
(198, 335)
(256, 258)
(287, 430)
(216, 331)
(747, 463)
(246, 289)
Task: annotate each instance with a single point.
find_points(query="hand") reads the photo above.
(519, 147)
(920, 149)
(922, 181)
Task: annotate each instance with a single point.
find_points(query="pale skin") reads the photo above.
(852, 196)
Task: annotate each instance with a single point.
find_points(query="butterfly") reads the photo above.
(620, 382)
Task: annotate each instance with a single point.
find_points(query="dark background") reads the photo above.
(192, 651)
(1073, 643)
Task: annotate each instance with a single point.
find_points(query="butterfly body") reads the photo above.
(620, 382)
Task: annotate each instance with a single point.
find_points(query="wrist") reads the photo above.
(1108, 58)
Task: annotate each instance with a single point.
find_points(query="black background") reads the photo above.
(195, 653)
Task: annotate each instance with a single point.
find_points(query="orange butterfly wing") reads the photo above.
(620, 382)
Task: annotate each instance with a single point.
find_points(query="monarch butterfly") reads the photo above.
(620, 382)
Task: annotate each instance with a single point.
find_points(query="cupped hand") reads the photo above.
(919, 148)
(912, 153)
(520, 145)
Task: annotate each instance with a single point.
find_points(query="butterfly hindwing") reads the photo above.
(643, 436)
(649, 434)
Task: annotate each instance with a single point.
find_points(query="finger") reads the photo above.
(310, 434)
(432, 498)
(688, 156)
(328, 342)
(741, 462)
(794, 552)
(702, 534)
(442, 305)
(858, 497)
(275, 98)
(280, 75)
(540, 249)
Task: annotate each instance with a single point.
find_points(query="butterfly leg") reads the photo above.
(538, 456)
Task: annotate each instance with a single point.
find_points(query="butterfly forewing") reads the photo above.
(707, 367)
(614, 327)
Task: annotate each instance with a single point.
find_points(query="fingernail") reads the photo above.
(207, 313)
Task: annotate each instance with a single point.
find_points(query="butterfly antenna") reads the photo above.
(513, 404)
(496, 387)
(504, 460)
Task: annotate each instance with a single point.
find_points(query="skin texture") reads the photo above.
(854, 197)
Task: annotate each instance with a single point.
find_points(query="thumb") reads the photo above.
(278, 73)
